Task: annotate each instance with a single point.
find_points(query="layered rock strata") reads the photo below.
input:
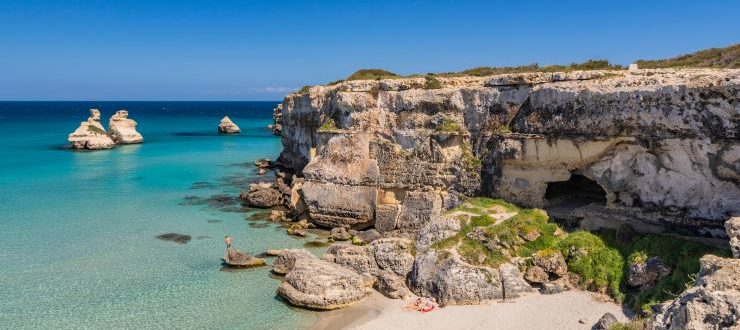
(654, 148)
(91, 135)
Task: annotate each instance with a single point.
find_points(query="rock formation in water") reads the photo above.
(123, 130)
(654, 148)
(226, 126)
(91, 134)
(238, 259)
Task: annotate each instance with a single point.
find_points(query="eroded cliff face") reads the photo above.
(657, 148)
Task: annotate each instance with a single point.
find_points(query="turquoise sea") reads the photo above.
(78, 230)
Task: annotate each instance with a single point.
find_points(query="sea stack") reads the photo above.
(228, 127)
(123, 130)
(91, 135)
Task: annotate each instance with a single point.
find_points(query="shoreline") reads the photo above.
(559, 311)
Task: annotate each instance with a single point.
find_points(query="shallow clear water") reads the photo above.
(78, 246)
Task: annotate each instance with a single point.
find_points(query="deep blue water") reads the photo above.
(78, 246)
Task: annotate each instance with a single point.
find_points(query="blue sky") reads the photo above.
(260, 50)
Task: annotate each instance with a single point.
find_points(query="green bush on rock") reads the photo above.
(595, 257)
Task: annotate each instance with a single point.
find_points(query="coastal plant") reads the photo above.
(502, 129)
(304, 89)
(449, 126)
(430, 82)
(328, 125)
(371, 74)
(602, 265)
(95, 130)
(727, 57)
(469, 160)
(335, 82)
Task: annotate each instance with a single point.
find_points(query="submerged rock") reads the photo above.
(712, 303)
(226, 126)
(175, 237)
(317, 284)
(123, 130)
(340, 234)
(91, 135)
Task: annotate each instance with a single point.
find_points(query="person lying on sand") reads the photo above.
(420, 305)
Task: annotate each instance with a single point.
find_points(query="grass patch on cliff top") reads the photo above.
(371, 74)
(727, 57)
(602, 265)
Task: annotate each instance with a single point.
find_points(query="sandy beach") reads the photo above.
(535, 311)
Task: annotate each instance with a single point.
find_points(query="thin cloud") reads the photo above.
(276, 89)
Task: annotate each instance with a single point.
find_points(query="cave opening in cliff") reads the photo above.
(577, 191)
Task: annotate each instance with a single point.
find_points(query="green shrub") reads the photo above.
(335, 82)
(594, 256)
(432, 83)
(601, 265)
(470, 161)
(450, 126)
(328, 125)
(95, 130)
(304, 89)
(371, 74)
(727, 57)
(503, 129)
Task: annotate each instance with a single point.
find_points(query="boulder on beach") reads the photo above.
(226, 126)
(318, 284)
(712, 303)
(123, 130)
(287, 259)
(91, 135)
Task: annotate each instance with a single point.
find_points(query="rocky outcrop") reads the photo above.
(262, 195)
(226, 126)
(123, 130)
(453, 282)
(287, 259)
(646, 274)
(340, 234)
(712, 303)
(654, 148)
(732, 227)
(606, 321)
(277, 122)
(91, 135)
(238, 259)
(384, 263)
(317, 284)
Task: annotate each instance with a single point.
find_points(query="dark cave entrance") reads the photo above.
(576, 192)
